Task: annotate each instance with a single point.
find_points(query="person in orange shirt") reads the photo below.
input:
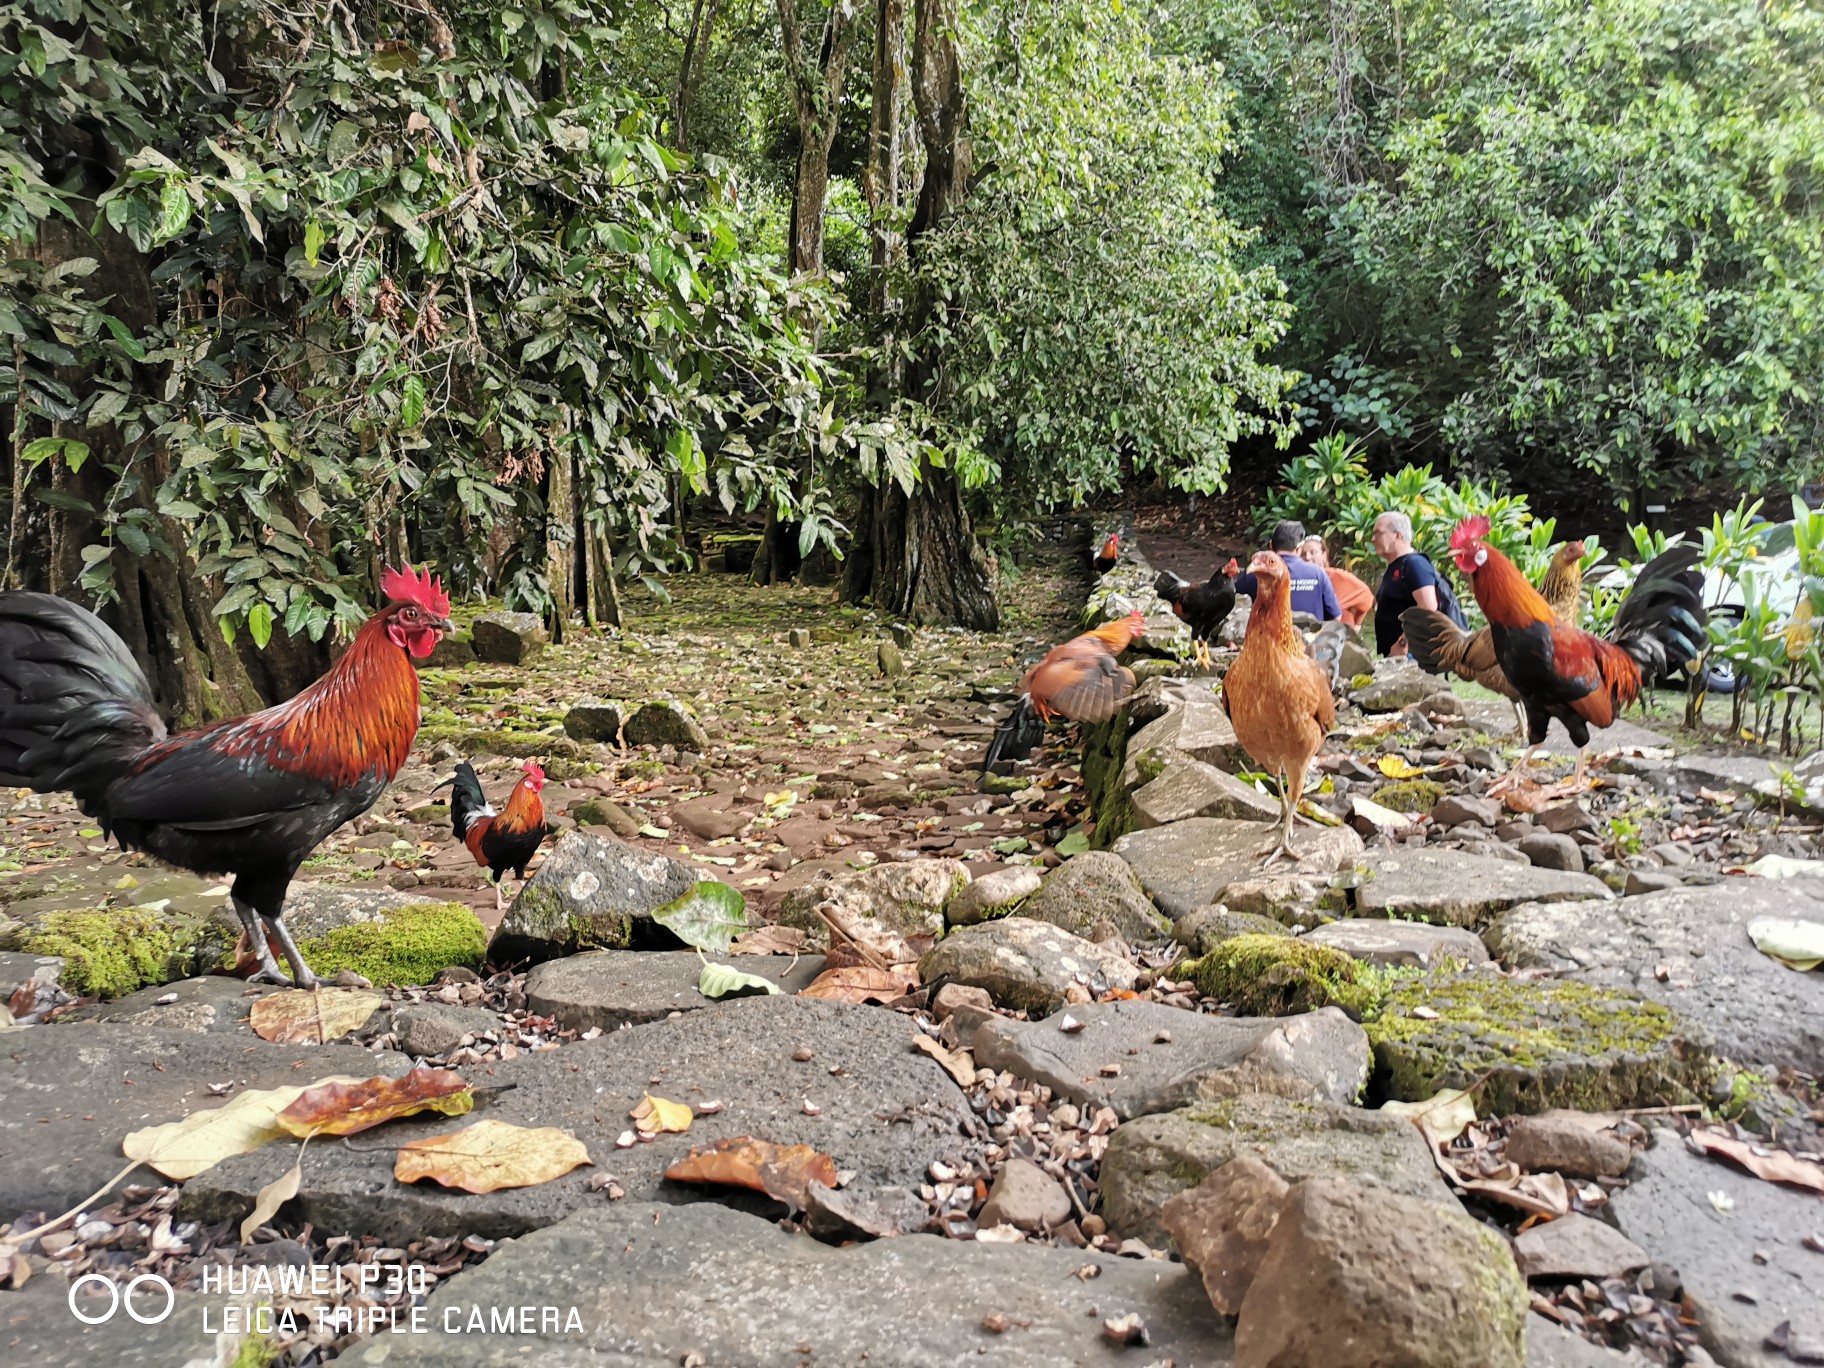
(1353, 595)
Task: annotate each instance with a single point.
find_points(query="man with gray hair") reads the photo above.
(1411, 581)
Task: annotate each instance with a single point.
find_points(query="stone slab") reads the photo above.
(1452, 888)
(1191, 863)
(607, 988)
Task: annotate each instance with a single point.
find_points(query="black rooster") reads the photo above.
(1201, 607)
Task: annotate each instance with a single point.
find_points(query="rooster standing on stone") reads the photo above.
(499, 841)
(252, 796)
(1201, 607)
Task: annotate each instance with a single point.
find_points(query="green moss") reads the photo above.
(1410, 795)
(1361, 681)
(1267, 975)
(613, 931)
(1534, 1044)
(1148, 766)
(516, 745)
(256, 1351)
(409, 945)
(108, 952)
(643, 769)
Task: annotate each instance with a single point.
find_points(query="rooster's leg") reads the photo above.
(1516, 774)
(269, 971)
(1583, 760)
(301, 977)
(499, 904)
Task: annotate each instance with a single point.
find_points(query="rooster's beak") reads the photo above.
(445, 626)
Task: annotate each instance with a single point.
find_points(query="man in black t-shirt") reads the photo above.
(1411, 581)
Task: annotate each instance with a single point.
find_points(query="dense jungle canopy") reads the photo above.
(521, 291)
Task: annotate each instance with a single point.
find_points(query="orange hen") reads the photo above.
(1081, 681)
(1276, 695)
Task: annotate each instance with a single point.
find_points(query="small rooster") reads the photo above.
(1080, 680)
(499, 841)
(1276, 695)
(1105, 559)
(1579, 678)
(1201, 607)
(1440, 647)
(252, 796)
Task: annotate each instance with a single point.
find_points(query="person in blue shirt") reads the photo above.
(1411, 581)
(1311, 589)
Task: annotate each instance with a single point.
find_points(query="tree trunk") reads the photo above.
(776, 559)
(703, 15)
(917, 557)
(816, 86)
(882, 183)
(921, 561)
(560, 537)
(604, 595)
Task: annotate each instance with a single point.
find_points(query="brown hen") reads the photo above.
(1276, 695)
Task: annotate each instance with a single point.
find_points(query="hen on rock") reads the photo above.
(1276, 695)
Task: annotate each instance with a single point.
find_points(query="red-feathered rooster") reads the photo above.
(1105, 559)
(1080, 680)
(252, 796)
(499, 841)
(1201, 607)
(1579, 678)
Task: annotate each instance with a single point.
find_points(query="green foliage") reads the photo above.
(395, 268)
(1097, 317)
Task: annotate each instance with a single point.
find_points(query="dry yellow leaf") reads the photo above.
(1442, 1117)
(1396, 767)
(183, 1149)
(491, 1155)
(310, 1017)
(655, 1115)
(1802, 631)
(269, 1199)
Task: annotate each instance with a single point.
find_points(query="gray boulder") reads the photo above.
(649, 1271)
(1167, 1058)
(1025, 965)
(509, 638)
(1190, 788)
(1448, 886)
(590, 893)
(1096, 886)
(1688, 948)
(594, 720)
(1192, 863)
(665, 724)
(1417, 945)
(905, 898)
(612, 988)
(1153, 1158)
(993, 895)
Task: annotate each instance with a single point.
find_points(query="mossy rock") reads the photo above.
(1410, 795)
(405, 945)
(1535, 1044)
(513, 745)
(1203, 929)
(109, 952)
(1269, 975)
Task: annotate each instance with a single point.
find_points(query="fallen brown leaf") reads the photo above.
(957, 1067)
(268, 1200)
(862, 983)
(1776, 1166)
(348, 1108)
(769, 940)
(311, 1017)
(784, 1172)
(1542, 1194)
(491, 1155)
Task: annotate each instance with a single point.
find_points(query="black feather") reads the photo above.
(1661, 623)
(75, 708)
(1016, 737)
(467, 801)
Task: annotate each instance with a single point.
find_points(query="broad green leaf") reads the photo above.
(707, 917)
(259, 624)
(721, 981)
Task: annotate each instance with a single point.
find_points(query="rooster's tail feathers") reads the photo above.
(467, 801)
(1016, 738)
(1170, 587)
(1661, 623)
(1437, 644)
(75, 708)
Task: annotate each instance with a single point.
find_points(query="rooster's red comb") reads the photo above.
(1469, 530)
(411, 586)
